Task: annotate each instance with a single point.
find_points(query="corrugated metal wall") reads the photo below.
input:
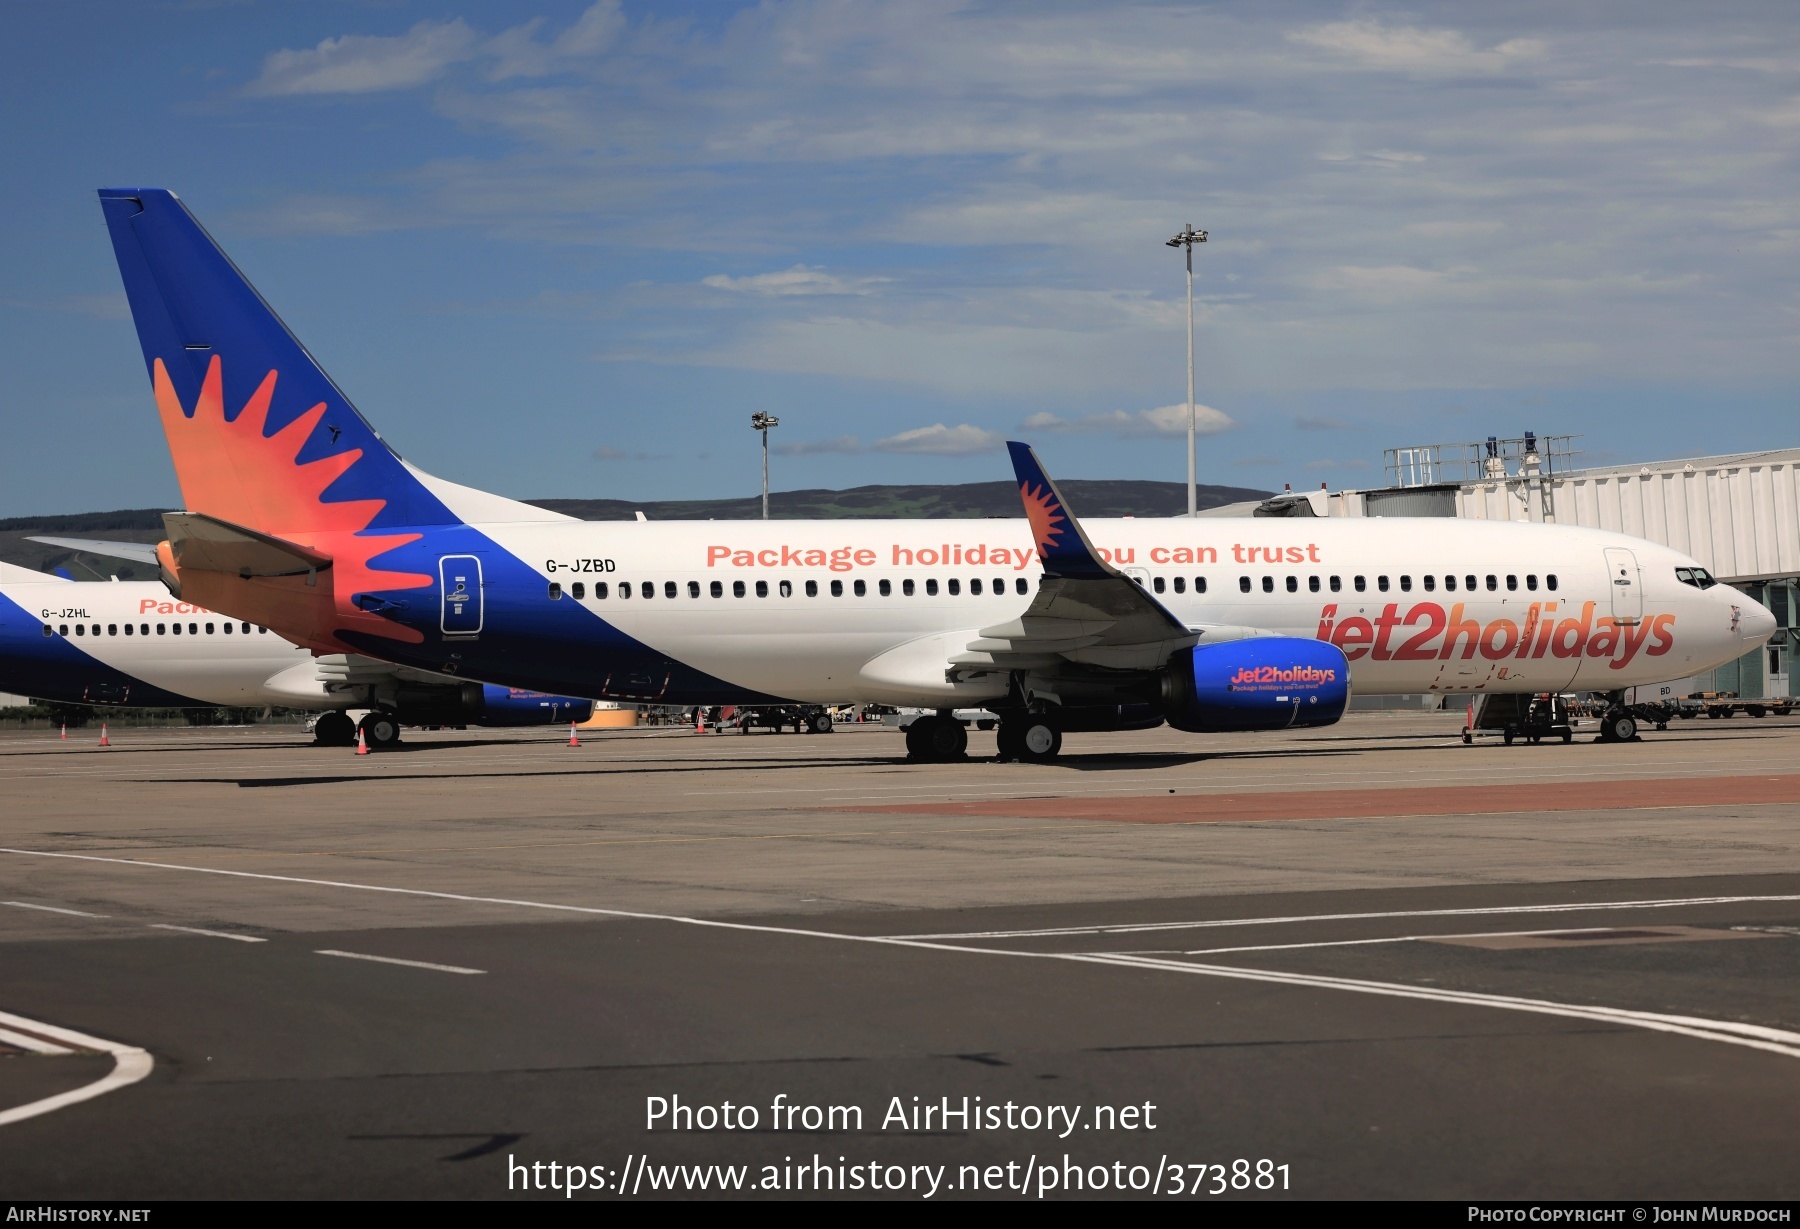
(1738, 516)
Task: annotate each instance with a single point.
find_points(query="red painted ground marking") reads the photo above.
(1522, 796)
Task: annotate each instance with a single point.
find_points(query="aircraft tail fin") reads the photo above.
(260, 435)
(1062, 544)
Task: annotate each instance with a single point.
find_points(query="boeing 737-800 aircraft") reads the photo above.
(300, 518)
(130, 643)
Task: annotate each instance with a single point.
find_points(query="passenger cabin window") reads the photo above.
(226, 627)
(159, 629)
(1381, 582)
(1293, 584)
(906, 588)
(812, 588)
(1181, 584)
(1406, 584)
(600, 590)
(860, 588)
(762, 588)
(786, 588)
(1360, 584)
(1157, 583)
(669, 589)
(1530, 582)
(64, 629)
(1430, 582)
(1469, 583)
(886, 588)
(1337, 584)
(1199, 584)
(837, 588)
(717, 588)
(1022, 585)
(1550, 580)
(1493, 582)
(1243, 584)
(80, 630)
(578, 590)
(1268, 584)
(1449, 584)
(975, 587)
(193, 629)
(1512, 582)
(931, 588)
(555, 591)
(625, 588)
(112, 629)
(647, 588)
(954, 586)
(209, 629)
(693, 588)
(737, 588)
(1312, 584)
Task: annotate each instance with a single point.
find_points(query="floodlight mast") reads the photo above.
(1186, 241)
(762, 422)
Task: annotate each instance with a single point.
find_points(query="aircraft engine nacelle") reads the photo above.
(1262, 683)
(515, 706)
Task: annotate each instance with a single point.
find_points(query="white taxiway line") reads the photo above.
(1596, 905)
(411, 964)
(1289, 947)
(213, 934)
(130, 1064)
(37, 1045)
(1753, 1036)
(19, 904)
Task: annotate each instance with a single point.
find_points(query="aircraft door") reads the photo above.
(459, 577)
(1625, 585)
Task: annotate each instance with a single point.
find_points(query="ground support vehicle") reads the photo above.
(804, 718)
(1531, 717)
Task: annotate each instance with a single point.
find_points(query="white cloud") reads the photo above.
(1408, 48)
(520, 54)
(362, 63)
(799, 280)
(1164, 420)
(938, 440)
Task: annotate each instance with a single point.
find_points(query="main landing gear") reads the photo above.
(334, 730)
(936, 739)
(1029, 739)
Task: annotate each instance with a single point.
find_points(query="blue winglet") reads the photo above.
(1062, 545)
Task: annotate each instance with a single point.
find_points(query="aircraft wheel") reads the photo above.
(1508, 736)
(334, 730)
(915, 737)
(1618, 727)
(1568, 736)
(1039, 741)
(380, 731)
(821, 723)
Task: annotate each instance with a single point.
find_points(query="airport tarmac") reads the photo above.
(1392, 964)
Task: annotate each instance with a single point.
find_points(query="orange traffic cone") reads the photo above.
(699, 721)
(362, 745)
(104, 741)
(573, 741)
(65, 733)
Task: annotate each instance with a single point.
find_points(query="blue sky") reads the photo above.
(560, 249)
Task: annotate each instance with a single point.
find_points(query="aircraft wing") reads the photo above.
(135, 552)
(1085, 611)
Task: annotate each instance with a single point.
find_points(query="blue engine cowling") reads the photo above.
(516, 706)
(1263, 683)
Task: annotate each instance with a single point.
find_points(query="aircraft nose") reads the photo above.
(1758, 621)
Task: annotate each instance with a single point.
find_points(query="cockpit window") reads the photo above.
(1700, 578)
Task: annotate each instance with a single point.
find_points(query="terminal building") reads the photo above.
(1739, 515)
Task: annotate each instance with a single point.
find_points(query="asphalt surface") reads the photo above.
(420, 974)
